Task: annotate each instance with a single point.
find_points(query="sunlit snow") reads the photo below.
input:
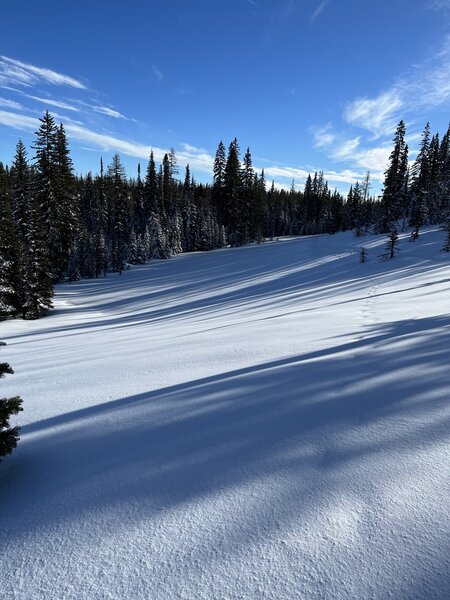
(267, 422)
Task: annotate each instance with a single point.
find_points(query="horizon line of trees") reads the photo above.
(57, 226)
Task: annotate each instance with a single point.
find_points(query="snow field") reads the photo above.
(267, 422)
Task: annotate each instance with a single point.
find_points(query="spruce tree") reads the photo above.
(9, 436)
(232, 195)
(151, 202)
(67, 225)
(9, 259)
(45, 193)
(395, 182)
(391, 248)
(120, 209)
(420, 184)
(218, 189)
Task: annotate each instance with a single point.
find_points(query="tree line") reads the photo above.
(56, 225)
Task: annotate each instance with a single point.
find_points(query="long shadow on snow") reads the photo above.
(282, 283)
(193, 439)
(307, 422)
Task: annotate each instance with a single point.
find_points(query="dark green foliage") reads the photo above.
(9, 436)
(394, 196)
(9, 264)
(391, 246)
(446, 246)
(55, 226)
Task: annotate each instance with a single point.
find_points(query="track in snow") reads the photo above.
(264, 422)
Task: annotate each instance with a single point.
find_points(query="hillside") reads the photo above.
(267, 422)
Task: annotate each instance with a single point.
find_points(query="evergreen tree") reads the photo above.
(420, 184)
(9, 436)
(9, 271)
(446, 246)
(45, 192)
(391, 246)
(232, 195)
(119, 206)
(395, 182)
(67, 225)
(38, 277)
(151, 203)
(218, 191)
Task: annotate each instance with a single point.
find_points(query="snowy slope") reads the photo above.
(264, 422)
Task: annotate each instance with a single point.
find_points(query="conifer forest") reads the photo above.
(58, 226)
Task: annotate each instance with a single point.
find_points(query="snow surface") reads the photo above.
(266, 422)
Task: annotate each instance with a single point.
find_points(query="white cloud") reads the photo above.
(350, 150)
(17, 72)
(198, 158)
(323, 136)
(426, 86)
(192, 149)
(182, 91)
(109, 112)
(345, 148)
(10, 103)
(319, 10)
(287, 172)
(18, 121)
(50, 102)
(300, 175)
(377, 115)
(157, 73)
(439, 4)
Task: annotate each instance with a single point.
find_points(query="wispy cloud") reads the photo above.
(109, 112)
(372, 120)
(323, 136)
(182, 91)
(10, 103)
(377, 115)
(319, 9)
(18, 121)
(16, 72)
(439, 4)
(56, 103)
(351, 151)
(157, 73)
(426, 86)
(198, 158)
(300, 175)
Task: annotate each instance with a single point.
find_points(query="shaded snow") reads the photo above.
(263, 422)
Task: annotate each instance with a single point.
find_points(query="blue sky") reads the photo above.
(307, 84)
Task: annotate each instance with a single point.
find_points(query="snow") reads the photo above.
(267, 422)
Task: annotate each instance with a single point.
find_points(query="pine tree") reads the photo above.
(391, 246)
(38, 277)
(446, 246)
(395, 182)
(139, 212)
(151, 202)
(67, 225)
(218, 190)
(119, 206)
(45, 191)
(420, 184)
(271, 212)
(166, 185)
(9, 269)
(9, 436)
(232, 195)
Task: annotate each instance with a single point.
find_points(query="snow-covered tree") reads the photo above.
(9, 436)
